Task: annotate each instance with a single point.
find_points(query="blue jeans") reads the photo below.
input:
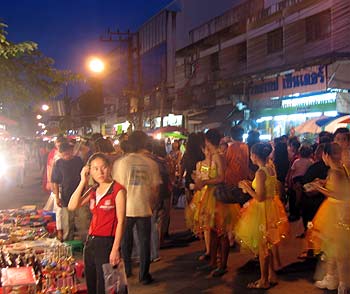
(143, 228)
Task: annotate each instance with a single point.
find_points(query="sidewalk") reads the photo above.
(176, 271)
(12, 196)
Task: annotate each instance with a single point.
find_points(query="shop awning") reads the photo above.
(218, 114)
(313, 125)
(323, 123)
(340, 122)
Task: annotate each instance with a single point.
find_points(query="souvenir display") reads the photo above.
(30, 261)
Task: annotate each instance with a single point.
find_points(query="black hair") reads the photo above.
(158, 148)
(294, 142)
(280, 159)
(98, 155)
(305, 151)
(341, 131)
(253, 138)
(320, 149)
(213, 136)
(104, 145)
(194, 146)
(333, 150)
(236, 133)
(96, 136)
(325, 133)
(325, 139)
(65, 146)
(124, 146)
(137, 141)
(262, 150)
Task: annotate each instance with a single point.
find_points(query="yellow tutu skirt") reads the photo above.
(217, 215)
(262, 223)
(330, 229)
(205, 213)
(194, 211)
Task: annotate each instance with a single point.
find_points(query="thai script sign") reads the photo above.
(310, 79)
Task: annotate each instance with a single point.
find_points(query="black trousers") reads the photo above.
(143, 229)
(310, 206)
(96, 253)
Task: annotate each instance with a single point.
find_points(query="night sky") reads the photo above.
(69, 30)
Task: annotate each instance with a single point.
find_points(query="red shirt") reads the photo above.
(104, 218)
(237, 163)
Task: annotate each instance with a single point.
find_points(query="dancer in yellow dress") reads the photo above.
(218, 217)
(263, 223)
(195, 219)
(330, 229)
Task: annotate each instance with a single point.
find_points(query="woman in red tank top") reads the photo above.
(107, 200)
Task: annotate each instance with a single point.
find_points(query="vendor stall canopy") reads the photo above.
(323, 123)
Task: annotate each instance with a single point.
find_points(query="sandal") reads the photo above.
(219, 272)
(204, 257)
(259, 285)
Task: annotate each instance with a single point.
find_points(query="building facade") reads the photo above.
(285, 60)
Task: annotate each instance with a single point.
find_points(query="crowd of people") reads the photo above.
(286, 180)
(121, 197)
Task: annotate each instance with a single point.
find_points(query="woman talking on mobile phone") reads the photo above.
(107, 204)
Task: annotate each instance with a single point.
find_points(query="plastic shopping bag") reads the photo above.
(115, 278)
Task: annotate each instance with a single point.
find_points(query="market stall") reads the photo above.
(31, 260)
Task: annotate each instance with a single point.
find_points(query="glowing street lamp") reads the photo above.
(45, 107)
(96, 65)
(39, 116)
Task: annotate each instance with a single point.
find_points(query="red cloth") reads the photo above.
(104, 218)
(237, 163)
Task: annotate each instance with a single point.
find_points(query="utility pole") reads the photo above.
(132, 91)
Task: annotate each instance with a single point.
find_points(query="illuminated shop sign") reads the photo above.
(311, 79)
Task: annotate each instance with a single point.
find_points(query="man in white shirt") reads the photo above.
(140, 176)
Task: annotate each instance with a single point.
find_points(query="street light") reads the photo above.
(45, 107)
(39, 116)
(96, 65)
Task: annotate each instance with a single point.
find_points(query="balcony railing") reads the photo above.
(271, 10)
(233, 16)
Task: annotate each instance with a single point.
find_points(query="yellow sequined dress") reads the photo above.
(329, 231)
(205, 213)
(194, 211)
(265, 222)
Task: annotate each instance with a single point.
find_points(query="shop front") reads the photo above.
(282, 102)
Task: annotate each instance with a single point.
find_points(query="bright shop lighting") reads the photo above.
(264, 118)
(265, 137)
(158, 136)
(310, 100)
(280, 117)
(331, 113)
(313, 114)
(296, 116)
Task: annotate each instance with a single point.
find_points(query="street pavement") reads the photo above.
(176, 273)
(14, 196)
